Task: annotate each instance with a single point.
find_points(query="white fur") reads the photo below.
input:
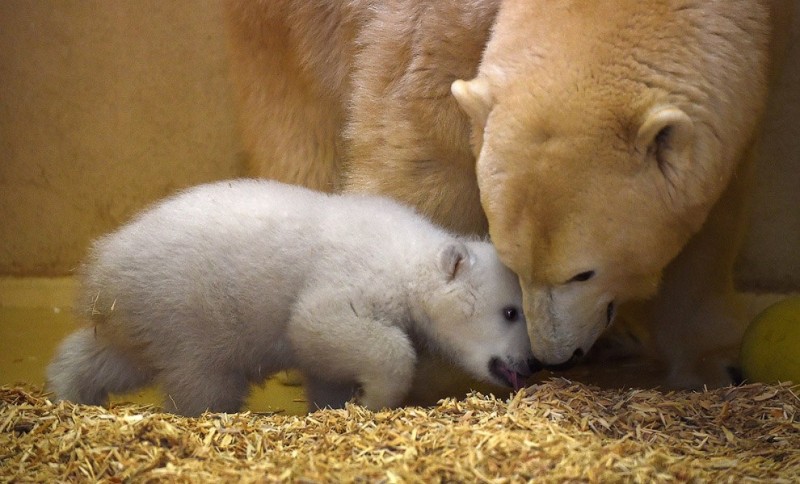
(228, 283)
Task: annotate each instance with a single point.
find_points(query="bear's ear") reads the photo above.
(666, 136)
(453, 260)
(474, 97)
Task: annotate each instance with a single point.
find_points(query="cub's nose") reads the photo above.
(536, 365)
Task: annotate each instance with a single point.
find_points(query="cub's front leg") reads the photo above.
(334, 341)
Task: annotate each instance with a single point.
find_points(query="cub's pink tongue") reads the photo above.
(504, 372)
(514, 378)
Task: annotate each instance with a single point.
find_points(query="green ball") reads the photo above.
(771, 345)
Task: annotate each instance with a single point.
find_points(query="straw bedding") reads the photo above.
(554, 431)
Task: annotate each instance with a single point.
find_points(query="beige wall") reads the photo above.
(770, 260)
(104, 107)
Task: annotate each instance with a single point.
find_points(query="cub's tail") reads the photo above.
(86, 369)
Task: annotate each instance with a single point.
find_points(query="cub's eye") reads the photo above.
(583, 276)
(511, 314)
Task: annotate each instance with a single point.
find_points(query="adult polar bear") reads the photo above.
(604, 148)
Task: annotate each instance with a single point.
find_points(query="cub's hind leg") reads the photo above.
(87, 368)
(191, 388)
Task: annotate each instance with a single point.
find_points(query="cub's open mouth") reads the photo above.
(504, 373)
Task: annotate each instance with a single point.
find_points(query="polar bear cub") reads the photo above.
(230, 282)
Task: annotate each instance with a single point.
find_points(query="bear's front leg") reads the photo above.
(333, 341)
(698, 319)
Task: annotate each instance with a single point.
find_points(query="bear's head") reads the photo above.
(474, 314)
(603, 138)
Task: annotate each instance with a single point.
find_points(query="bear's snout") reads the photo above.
(537, 365)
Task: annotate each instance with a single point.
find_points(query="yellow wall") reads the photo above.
(104, 107)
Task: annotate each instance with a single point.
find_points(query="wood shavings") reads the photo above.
(553, 432)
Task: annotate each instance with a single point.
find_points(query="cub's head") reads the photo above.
(475, 314)
(603, 137)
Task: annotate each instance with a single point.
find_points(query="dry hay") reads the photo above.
(558, 431)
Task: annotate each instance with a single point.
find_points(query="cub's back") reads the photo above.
(249, 247)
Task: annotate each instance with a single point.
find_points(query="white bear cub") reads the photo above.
(230, 282)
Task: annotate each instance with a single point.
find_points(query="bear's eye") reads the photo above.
(511, 314)
(583, 276)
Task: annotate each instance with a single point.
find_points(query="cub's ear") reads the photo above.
(667, 136)
(454, 259)
(474, 97)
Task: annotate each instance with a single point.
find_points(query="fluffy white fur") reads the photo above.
(228, 283)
